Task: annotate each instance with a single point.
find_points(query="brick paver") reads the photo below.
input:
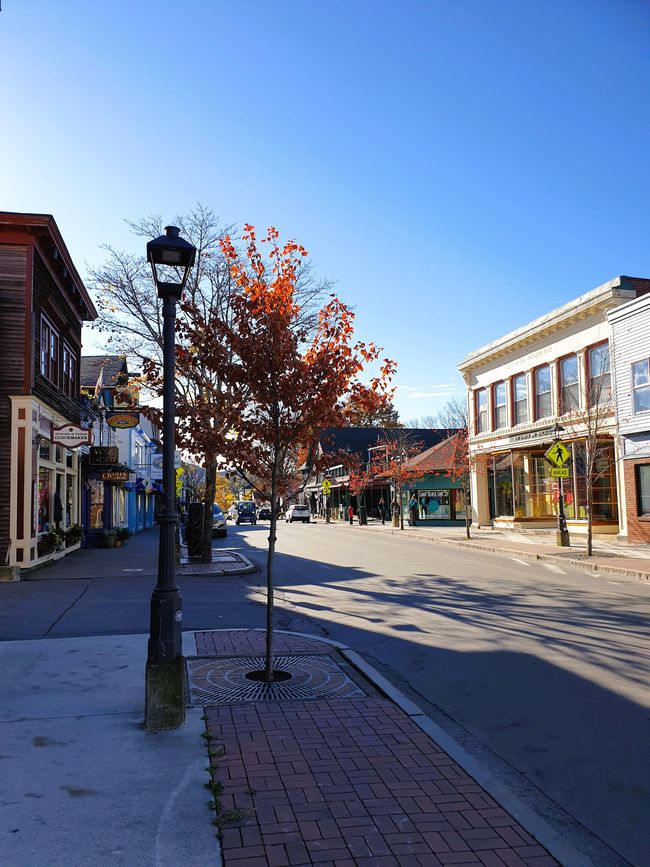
(348, 782)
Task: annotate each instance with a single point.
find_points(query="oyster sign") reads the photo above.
(71, 436)
(122, 420)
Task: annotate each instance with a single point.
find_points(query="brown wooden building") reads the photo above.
(43, 303)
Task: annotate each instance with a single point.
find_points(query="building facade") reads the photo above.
(552, 371)
(630, 344)
(43, 303)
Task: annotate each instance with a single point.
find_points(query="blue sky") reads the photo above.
(457, 167)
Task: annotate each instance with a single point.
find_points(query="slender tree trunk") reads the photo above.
(208, 502)
(589, 518)
(268, 665)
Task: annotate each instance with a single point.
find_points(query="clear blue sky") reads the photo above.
(458, 167)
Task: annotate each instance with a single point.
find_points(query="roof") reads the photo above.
(115, 368)
(43, 229)
(437, 459)
(355, 440)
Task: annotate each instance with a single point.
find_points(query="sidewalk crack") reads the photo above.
(65, 611)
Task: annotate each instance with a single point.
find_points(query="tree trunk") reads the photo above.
(268, 665)
(589, 519)
(208, 502)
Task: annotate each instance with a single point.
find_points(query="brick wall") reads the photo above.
(638, 529)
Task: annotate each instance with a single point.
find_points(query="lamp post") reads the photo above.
(562, 534)
(165, 676)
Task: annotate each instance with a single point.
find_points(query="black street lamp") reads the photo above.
(562, 534)
(165, 677)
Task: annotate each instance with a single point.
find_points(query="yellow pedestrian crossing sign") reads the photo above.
(326, 485)
(558, 454)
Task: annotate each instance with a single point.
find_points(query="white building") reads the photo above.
(630, 344)
(552, 370)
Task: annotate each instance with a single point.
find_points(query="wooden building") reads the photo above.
(43, 303)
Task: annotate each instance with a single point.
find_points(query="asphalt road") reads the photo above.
(536, 668)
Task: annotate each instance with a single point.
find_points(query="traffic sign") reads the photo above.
(557, 454)
(326, 485)
(559, 472)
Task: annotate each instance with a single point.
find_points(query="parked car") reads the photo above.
(298, 512)
(219, 527)
(246, 511)
(264, 514)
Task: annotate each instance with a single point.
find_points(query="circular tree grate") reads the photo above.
(223, 680)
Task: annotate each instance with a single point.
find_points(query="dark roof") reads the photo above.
(437, 459)
(357, 440)
(115, 370)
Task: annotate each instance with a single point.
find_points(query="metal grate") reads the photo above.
(223, 680)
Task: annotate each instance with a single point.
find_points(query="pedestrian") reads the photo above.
(382, 510)
(351, 514)
(413, 511)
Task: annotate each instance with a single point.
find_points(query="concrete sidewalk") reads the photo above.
(357, 776)
(610, 556)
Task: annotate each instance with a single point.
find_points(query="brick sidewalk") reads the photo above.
(346, 782)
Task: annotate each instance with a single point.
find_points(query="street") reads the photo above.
(539, 670)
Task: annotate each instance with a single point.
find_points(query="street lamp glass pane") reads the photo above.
(171, 257)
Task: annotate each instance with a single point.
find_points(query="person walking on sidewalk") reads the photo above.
(351, 514)
(413, 511)
(381, 507)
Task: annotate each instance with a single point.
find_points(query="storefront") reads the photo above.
(104, 497)
(440, 501)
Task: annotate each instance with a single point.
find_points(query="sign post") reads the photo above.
(326, 487)
(557, 455)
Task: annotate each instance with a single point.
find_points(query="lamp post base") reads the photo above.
(562, 539)
(164, 704)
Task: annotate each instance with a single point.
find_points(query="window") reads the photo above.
(641, 386)
(521, 399)
(569, 388)
(49, 352)
(500, 412)
(69, 371)
(481, 411)
(543, 401)
(643, 488)
(600, 383)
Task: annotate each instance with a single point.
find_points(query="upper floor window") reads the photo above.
(600, 381)
(69, 371)
(49, 351)
(569, 387)
(500, 413)
(520, 388)
(481, 411)
(543, 398)
(641, 386)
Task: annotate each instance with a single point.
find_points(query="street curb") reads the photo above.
(184, 569)
(527, 555)
(531, 821)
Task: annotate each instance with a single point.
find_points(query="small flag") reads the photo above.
(100, 382)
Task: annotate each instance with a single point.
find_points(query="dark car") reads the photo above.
(246, 511)
(219, 527)
(264, 514)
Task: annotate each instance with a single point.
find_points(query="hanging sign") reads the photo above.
(122, 420)
(71, 436)
(157, 466)
(115, 476)
(104, 455)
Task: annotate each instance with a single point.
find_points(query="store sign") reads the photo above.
(531, 435)
(71, 436)
(157, 466)
(100, 455)
(115, 476)
(122, 420)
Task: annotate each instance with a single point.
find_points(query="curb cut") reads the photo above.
(526, 555)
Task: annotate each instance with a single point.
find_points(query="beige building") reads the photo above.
(554, 370)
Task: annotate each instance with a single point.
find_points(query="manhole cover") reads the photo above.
(224, 681)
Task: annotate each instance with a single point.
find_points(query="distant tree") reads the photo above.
(453, 414)
(426, 422)
(281, 382)
(194, 482)
(389, 461)
(376, 413)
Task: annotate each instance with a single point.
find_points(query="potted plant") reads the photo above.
(73, 534)
(106, 539)
(121, 535)
(55, 538)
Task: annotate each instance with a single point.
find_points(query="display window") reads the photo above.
(96, 491)
(44, 496)
(434, 504)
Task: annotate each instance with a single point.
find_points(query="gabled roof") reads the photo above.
(357, 440)
(115, 370)
(437, 459)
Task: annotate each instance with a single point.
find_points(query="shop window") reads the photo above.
(96, 504)
(603, 488)
(503, 489)
(643, 489)
(433, 504)
(49, 351)
(44, 476)
(500, 410)
(459, 504)
(543, 398)
(569, 387)
(521, 399)
(600, 382)
(534, 491)
(641, 386)
(481, 411)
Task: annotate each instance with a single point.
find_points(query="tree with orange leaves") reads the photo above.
(390, 461)
(281, 382)
(459, 469)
